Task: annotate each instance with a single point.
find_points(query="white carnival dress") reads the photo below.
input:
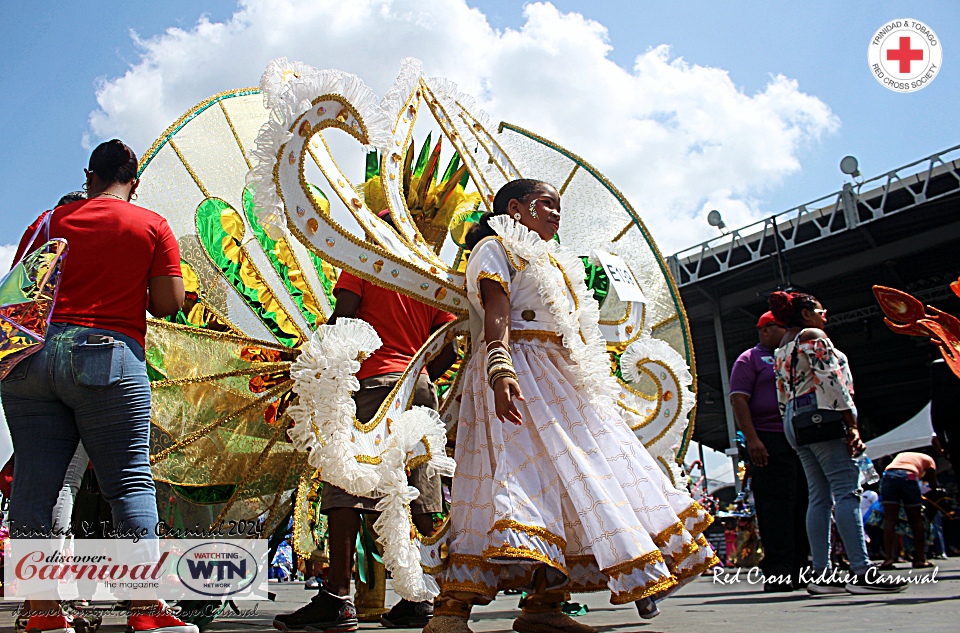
(572, 489)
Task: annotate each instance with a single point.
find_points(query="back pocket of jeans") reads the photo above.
(19, 371)
(97, 366)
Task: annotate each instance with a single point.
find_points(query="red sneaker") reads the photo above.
(158, 623)
(49, 624)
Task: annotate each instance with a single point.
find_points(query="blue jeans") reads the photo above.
(833, 480)
(900, 486)
(69, 391)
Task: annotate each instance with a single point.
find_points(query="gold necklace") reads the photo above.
(112, 195)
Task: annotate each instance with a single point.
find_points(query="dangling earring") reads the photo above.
(133, 196)
(86, 186)
(533, 210)
(516, 216)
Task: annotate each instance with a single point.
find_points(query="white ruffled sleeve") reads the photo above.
(487, 261)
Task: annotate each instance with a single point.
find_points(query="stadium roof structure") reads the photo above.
(900, 229)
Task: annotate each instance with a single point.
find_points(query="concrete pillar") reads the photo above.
(725, 387)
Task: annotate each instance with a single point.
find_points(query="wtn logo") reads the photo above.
(221, 568)
(224, 569)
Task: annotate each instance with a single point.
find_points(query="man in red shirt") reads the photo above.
(404, 325)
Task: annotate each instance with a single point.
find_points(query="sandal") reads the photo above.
(924, 565)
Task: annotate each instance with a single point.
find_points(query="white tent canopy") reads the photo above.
(914, 433)
(718, 467)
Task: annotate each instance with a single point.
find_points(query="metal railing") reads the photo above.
(902, 189)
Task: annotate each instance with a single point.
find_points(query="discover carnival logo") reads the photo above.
(111, 569)
(905, 55)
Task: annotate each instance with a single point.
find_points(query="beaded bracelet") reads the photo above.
(502, 374)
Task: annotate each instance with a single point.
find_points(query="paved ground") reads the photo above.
(702, 607)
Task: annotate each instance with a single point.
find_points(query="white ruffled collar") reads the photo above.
(580, 326)
(522, 241)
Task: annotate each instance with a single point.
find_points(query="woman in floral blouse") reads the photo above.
(818, 377)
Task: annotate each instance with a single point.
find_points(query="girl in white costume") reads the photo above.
(553, 492)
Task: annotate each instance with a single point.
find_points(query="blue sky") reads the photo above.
(57, 58)
(56, 54)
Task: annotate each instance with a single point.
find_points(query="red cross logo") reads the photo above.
(905, 54)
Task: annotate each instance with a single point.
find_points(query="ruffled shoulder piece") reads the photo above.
(580, 327)
(520, 241)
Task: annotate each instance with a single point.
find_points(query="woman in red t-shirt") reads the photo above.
(89, 381)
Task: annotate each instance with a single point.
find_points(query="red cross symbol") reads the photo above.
(905, 54)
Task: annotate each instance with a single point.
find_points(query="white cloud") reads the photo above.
(7, 251)
(678, 139)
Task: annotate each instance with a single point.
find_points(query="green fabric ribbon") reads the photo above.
(368, 553)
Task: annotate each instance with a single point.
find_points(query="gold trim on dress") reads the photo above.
(698, 569)
(493, 277)
(688, 550)
(652, 587)
(628, 566)
(693, 510)
(303, 489)
(472, 561)
(532, 530)
(509, 551)
(471, 587)
(663, 537)
(519, 263)
(544, 336)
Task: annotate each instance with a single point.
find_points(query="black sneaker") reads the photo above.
(873, 582)
(325, 613)
(408, 615)
(778, 587)
(647, 608)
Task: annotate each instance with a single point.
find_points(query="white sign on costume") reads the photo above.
(620, 277)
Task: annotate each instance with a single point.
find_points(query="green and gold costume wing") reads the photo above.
(271, 191)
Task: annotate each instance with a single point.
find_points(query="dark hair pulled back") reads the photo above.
(787, 307)
(73, 196)
(513, 190)
(113, 161)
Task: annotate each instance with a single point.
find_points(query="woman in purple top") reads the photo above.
(779, 485)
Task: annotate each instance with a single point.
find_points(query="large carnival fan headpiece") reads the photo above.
(271, 192)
